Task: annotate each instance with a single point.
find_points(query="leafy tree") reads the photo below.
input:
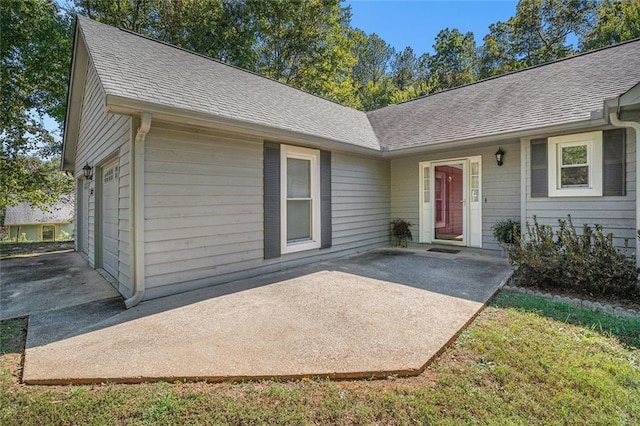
(497, 56)
(454, 61)
(36, 46)
(536, 34)
(404, 69)
(305, 43)
(374, 56)
(134, 15)
(615, 22)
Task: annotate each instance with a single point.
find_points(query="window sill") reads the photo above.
(301, 246)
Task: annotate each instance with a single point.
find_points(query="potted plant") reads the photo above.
(400, 232)
(505, 231)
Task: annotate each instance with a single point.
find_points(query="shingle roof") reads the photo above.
(138, 68)
(24, 214)
(560, 92)
(134, 67)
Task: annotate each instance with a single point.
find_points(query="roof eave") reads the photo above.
(598, 121)
(126, 106)
(77, 76)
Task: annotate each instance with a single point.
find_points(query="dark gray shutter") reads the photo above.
(271, 200)
(539, 172)
(613, 156)
(325, 199)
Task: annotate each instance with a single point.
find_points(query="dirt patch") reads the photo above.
(9, 250)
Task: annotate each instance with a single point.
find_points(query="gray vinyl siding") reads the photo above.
(615, 213)
(500, 186)
(204, 209)
(102, 136)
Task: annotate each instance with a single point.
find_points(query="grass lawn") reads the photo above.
(524, 360)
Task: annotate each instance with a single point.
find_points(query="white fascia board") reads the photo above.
(125, 106)
(75, 95)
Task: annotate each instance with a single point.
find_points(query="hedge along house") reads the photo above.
(24, 222)
(200, 173)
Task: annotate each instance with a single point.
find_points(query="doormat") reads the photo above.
(443, 250)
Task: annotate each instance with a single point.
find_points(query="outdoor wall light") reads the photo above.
(88, 172)
(499, 156)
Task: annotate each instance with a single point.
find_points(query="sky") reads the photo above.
(416, 23)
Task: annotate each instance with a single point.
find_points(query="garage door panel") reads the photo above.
(110, 219)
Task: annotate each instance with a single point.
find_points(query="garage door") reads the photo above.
(110, 219)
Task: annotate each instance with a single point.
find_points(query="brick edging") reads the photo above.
(580, 303)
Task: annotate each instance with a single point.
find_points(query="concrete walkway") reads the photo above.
(372, 315)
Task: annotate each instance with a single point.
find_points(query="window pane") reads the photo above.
(298, 178)
(574, 155)
(574, 177)
(48, 233)
(427, 186)
(475, 168)
(298, 220)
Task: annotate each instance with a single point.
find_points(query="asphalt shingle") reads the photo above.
(24, 214)
(138, 68)
(560, 92)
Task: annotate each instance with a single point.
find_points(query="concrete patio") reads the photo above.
(372, 315)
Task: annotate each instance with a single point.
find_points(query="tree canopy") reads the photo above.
(309, 44)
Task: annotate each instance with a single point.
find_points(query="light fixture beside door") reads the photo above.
(499, 156)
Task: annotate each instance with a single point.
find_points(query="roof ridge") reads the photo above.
(494, 77)
(226, 64)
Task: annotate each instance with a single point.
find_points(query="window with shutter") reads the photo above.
(575, 165)
(584, 164)
(297, 199)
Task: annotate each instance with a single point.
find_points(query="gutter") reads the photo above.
(136, 213)
(613, 118)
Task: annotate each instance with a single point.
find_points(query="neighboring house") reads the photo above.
(203, 173)
(26, 223)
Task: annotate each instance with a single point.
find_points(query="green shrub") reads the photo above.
(400, 232)
(505, 231)
(586, 262)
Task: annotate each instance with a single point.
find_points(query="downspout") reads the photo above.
(613, 118)
(136, 215)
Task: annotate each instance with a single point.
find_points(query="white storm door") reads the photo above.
(110, 218)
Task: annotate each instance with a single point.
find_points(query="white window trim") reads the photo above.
(593, 140)
(313, 155)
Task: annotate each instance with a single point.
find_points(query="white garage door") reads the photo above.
(110, 219)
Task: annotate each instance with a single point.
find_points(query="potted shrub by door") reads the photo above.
(400, 232)
(505, 232)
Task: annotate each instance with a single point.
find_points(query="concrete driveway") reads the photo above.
(372, 315)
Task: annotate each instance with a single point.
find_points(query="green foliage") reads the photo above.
(615, 22)
(400, 232)
(588, 262)
(35, 54)
(505, 231)
(454, 62)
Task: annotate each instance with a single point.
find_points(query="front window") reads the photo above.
(575, 165)
(300, 197)
(48, 232)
